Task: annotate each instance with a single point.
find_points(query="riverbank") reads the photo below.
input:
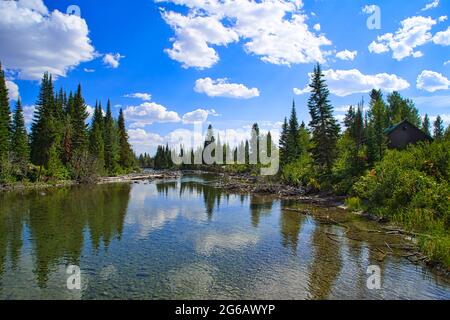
(127, 178)
(246, 184)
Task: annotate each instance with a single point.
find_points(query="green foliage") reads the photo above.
(5, 123)
(324, 127)
(20, 151)
(411, 187)
(438, 132)
(299, 172)
(353, 204)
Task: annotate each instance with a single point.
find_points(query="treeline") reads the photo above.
(245, 157)
(61, 145)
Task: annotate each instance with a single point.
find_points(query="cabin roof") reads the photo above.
(394, 127)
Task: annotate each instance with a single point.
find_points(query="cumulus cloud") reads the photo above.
(39, 41)
(112, 60)
(275, 31)
(142, 141)
(317, 27)
(28, 114)
(13, 90)
(198, 116)
(148, 113)
(346, 55)
(431, 5)
(221, 88)
(140, 95)
(432, 81)
(442, 38)
(414, 32)
(346, 82)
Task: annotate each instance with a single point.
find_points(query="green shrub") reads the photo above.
(299, 172)
(353, 204)
(412, 188)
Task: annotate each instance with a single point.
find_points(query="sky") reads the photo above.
(172, 63)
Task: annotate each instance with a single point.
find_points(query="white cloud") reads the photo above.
(198, 116)
(276, 31)
(142, 141)
(148, 113)
(432, 81)
(446, 62)
(317, 27)
(39, 41)
(442, 38)
(445, 119)
(431, 5)
(13, 90)
(299, 92)
(221, 88)
(414, 32)
(442, 18)
(28, 114)
(88, 70)
(112, 60)
(346, 82)
(140, 95)
(346, 55)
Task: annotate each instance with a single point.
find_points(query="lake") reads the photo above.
(185, 239)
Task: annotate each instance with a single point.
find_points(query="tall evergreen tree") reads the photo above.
(80, 140)
(126, 153)
(293, 150)
(426, 126)
(5, 119)
(254, 144)
(20, 150)
(438, 132)
(283, 144)
(96, 143)
(43, 128)
(324, 127)
(109, 136)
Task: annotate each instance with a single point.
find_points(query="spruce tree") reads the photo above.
(20, 150)
(96, 143)
(5, 119)
(426, 126)
(79, 127)
(324, 127)
(110, 159)
(293, 150)
(126, 153)
(283, 144)
(438, 132)
(254, 144)
(43, 128)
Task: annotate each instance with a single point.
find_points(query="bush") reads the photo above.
(300, 172)
(353, 204)
(411, 187)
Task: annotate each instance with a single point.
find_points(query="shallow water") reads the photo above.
(184, 239)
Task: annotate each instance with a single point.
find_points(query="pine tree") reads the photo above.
(5, 119)
(324, 127)
(283, 144)
(96, 143)
(377, 123)
(293, 150)
(109, 136)
(80, 141)
(438, 132)
(426, 126)
(20, 150)
(126, 153)
(43, 129)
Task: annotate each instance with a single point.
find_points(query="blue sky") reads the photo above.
(230, 63)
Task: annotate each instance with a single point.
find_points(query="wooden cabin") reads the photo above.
(405, 133)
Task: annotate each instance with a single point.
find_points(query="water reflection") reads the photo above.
(185, 238)
(56, 222)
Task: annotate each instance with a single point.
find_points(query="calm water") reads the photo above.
(186, 239)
